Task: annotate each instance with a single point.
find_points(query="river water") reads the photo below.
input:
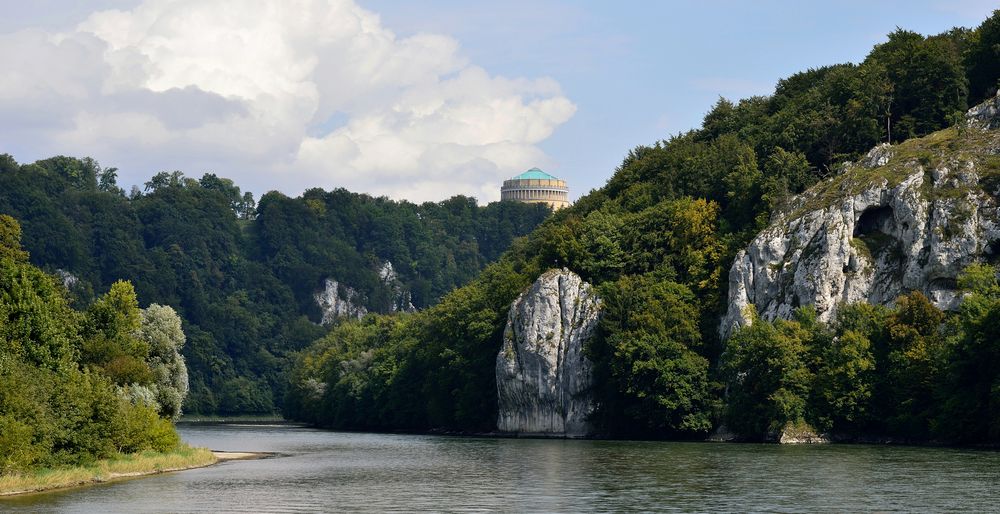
(337, 471)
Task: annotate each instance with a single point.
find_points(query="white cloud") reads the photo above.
(277, 94)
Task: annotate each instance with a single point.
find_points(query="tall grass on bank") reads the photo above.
(121, 466)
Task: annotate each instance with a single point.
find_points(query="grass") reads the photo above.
(104, 470)
(861, 247)
(944, 147)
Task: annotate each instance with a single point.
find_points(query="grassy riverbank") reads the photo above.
(105, 470)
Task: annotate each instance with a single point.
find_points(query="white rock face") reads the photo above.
(876, 240)
(338, 300)
(985, 115)
(69, 280)
(401, 299)
(338, 305)
(543, 378)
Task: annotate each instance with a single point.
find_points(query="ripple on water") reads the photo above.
(337, 471)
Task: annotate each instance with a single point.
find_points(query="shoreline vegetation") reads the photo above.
(658, 244)
(247, 418)
(120, 467)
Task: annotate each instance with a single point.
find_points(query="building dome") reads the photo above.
(536, 186)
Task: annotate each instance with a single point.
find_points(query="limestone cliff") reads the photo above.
(543, 378)
(400, 299)
(337, 300)
(907, 217)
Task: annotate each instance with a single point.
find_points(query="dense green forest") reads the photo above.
(656, 241)
(242, 274)
(76, 386)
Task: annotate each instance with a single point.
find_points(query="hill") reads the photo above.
(657, 241)
(251, 280)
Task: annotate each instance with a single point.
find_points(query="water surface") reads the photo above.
(337, 471)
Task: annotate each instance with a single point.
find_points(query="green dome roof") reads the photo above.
(534, 174)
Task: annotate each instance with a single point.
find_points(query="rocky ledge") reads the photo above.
(906, 217)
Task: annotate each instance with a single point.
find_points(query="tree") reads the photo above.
(784, 174)
(982, 59)
(160, 327)
(37, 327)
(108, 181)
(8, 163)
(971, 385)
(79, 174)
(248, 207)
(650, 378)
(768, 378)
(601, 257)
(916, 357)
(10, 239)
(110, 335)
(844, 383)
(165, 179)
(928, 81)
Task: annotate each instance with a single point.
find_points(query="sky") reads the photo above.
(412, 100)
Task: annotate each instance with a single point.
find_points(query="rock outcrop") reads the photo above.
(985, 115)
(907, 217)
(400, 298)
(338, 301)
(799, 433)
(69, 280)
(543, 377)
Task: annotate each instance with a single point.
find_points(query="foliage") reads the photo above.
(651, 379)
(241, 274)
(971, 375)
(160, 327)
(766, 366)
(657, 239)
(904, 372)
(58, 400)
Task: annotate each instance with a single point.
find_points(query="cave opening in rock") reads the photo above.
(876, 231)
(876, 220)
(943, 284)
(992, 253)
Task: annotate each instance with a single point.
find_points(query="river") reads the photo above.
(338, 471)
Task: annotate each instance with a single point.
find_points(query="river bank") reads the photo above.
(117, 468)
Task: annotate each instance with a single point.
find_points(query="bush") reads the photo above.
(138, 427)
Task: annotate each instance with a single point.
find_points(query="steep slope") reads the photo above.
(905, 218)
(543, 377)
(656, 242)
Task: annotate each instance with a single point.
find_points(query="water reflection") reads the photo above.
(333, 471)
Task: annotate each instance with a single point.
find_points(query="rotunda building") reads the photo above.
(536, 186)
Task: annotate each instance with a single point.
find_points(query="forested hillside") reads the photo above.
(76, 386)
(657, 242)
(243, 274)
